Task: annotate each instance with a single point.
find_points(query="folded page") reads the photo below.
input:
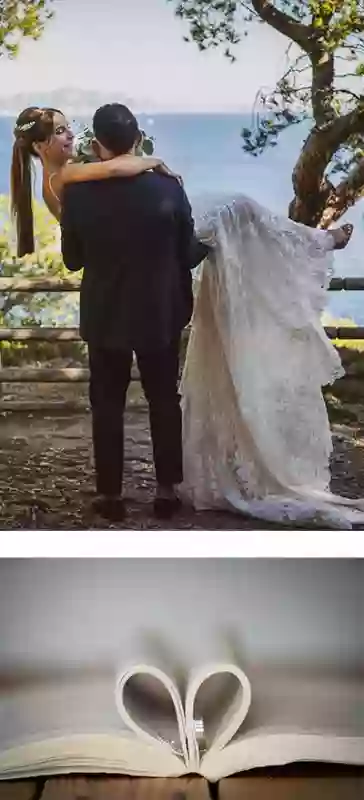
(217, 703)
(149, 703)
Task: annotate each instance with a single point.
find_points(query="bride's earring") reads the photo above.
(36, 149)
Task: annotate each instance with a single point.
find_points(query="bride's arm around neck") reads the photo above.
(124, 166)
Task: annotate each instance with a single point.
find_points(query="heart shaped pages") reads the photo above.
(201, 719)
(196, 722)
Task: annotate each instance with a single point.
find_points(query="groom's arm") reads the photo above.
(72, 250)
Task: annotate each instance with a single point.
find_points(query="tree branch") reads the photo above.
(323, 76)
(323, 66)
(353, 95)
(323, 143)
(313, 192)
(282, 22)
(346, 194)
(348, 125)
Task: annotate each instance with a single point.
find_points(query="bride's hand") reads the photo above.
(162, 167)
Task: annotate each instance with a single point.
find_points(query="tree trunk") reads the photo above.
(346, 194)
(321, 205)
(317, 202)
(312, 190)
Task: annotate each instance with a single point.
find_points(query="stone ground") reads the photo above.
(46, 472)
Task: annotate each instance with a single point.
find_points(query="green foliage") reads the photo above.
(20, 18)
(323, 79)
(32, 309)
(147, 145)
(84, 148)
(14, 354)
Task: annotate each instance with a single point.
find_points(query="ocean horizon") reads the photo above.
(206, 149)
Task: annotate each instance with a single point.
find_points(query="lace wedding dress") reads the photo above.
(256, 431)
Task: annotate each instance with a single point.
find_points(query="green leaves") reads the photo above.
(20, 18)
(147, 144)
(83, 146)
(84, 151)
(46, 261)
(213, 23)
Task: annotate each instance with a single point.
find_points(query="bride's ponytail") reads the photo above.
(32, 126)
(21, 197)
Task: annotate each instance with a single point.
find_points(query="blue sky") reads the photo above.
(136, 47)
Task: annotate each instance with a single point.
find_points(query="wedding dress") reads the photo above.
(256, 433)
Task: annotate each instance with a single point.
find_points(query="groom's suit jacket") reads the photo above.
(135, 239)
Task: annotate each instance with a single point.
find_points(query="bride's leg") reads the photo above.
(333, 239)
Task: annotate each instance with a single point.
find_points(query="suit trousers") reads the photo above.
(110, 374)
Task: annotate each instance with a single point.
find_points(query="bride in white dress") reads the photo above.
(256, 431)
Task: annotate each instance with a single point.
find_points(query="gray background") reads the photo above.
(63, 612)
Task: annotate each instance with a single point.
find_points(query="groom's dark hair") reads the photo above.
(116, 128)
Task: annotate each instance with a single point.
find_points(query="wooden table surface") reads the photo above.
(296, 782)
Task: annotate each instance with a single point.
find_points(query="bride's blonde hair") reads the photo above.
(33, 125)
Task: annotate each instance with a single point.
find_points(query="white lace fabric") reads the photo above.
(255, 426)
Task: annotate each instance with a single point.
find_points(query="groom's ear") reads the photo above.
(100, 150)
(96, 148)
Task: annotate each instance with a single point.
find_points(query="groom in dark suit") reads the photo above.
(135, 239)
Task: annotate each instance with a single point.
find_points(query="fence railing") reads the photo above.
(71, 334)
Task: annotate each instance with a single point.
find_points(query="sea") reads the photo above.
(206, 149)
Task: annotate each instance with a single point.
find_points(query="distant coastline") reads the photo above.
(83, 103)
(86, 112)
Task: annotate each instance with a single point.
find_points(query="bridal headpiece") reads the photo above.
(25, 127)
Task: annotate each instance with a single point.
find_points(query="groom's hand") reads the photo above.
(162, 167)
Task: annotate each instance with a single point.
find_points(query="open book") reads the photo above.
(213, 721)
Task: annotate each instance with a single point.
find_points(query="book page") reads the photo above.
(297, 715)
(305, 700)
(55, 723)
(150, 705)
(36, 706)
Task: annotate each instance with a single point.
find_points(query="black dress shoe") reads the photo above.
(111, 508)
(166, 507)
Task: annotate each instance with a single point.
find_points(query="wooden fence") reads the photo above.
(11, 375)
